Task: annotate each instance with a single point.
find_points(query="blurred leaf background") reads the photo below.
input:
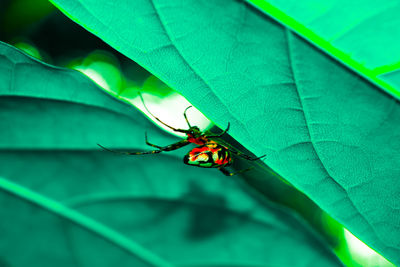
(59, 188)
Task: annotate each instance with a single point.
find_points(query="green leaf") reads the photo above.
(56, 234)
(362, 35)
(68, 204)
(58, 88)
(330, 133)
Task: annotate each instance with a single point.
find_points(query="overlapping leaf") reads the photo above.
(362, 34)
(326, 130)
(66, 204)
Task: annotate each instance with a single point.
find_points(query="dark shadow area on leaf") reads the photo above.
(3, 263)
(204, 222)
(261, 181)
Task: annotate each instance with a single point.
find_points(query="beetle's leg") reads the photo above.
(221, 134)
(150, 144)
(130, 153)
(240, 154)
(172, 128)
(227, 173)
(171, 147)
(176, 145)
(184, 114)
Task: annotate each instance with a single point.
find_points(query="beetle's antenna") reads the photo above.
(172, 128)
(184, 114)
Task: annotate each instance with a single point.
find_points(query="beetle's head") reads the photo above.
(194, 131)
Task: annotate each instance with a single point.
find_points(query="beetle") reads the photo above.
(209, 153)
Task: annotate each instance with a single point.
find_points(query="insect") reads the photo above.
(209, 153)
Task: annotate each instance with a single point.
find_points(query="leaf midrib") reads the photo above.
(313, 144)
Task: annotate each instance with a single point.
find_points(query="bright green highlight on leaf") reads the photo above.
(361, 34)
(30, 49)
(103, 68)
(363, 255)
(167, 105)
